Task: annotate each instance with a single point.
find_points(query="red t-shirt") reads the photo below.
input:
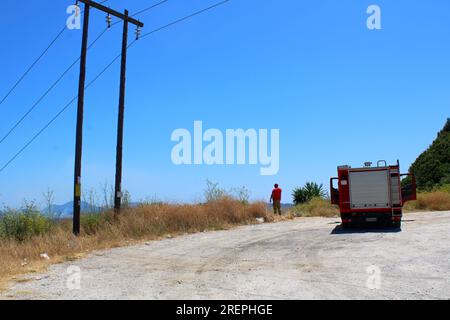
(276, 194)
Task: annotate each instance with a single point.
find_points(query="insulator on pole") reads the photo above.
(77, 10)
(108, 20)
(138, 33)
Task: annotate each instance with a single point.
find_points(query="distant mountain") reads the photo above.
(65, 211)
(432, 167)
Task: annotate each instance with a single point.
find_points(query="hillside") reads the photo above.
(432, 167)
(65, 211)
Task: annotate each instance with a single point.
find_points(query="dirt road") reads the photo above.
(301, 259)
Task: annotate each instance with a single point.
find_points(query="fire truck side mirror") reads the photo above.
(334, 191)
(409, 188)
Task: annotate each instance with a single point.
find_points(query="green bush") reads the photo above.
(24, 224)
(432, 167)
(91, 223)
(310, 191)
(443, 188)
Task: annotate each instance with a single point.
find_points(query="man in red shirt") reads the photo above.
(276, 198)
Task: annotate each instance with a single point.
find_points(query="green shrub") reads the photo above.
(443, 188)
(310, 191)
(22, 225)
(91, 223)
(299, 196)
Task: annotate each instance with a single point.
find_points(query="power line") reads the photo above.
(186, 18)
(57, 115)
(149, 8)
(46, 93)
(99, 75)
(144, 10)
(35, 62)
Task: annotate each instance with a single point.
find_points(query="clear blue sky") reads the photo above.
(339, 93)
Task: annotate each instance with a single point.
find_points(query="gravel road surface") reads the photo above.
(307, 258)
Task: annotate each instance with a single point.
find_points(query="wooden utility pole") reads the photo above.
(79, 133)
(119, 150)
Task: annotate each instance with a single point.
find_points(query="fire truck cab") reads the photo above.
(372, 194)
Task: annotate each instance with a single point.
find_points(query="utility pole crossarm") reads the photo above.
(113, 12)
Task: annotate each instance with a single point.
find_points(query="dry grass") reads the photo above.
(430, 201)
(317, 207)
(134, 225)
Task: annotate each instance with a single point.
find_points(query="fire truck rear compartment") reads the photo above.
(368, 189)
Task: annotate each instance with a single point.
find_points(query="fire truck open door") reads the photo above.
(409, 188)
(334, 191)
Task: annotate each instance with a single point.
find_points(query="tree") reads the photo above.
(432, 167)
(309, 191)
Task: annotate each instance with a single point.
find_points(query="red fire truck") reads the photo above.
(372, 194)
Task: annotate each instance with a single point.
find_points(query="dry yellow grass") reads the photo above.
(317, 207)
(132, 226)
(430, 201)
